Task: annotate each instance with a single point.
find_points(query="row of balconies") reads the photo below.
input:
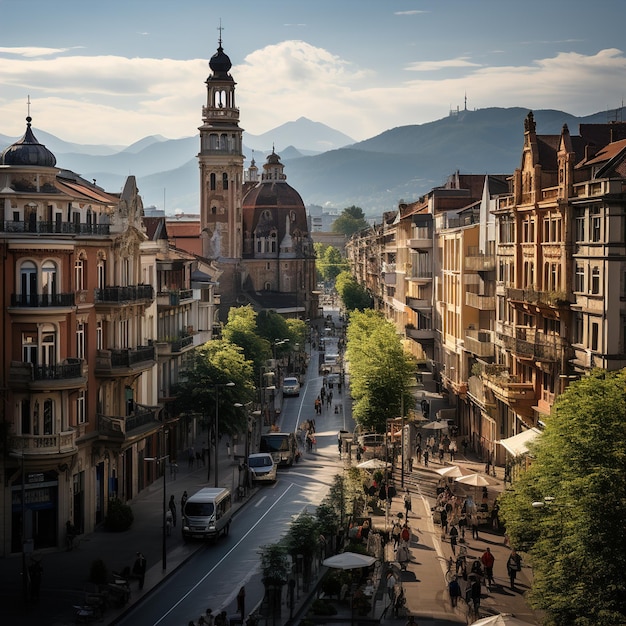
(69, 374)
(545, 298)
(121, 361)
(173, 298)
(108, 295)
(55, 228)
(56, 445)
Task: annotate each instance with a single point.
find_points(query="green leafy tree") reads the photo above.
(380, 371)
(330, 263)
(241, 329)
(217, 363)
(351, 220)
(575, 533)
(352, 294)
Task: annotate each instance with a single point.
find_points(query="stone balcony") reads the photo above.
(125, 361)
(47, 451)
(122, 296)
(118, 427)
(70, 374)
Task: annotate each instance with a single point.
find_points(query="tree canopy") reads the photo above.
(216, 363)
(380, 371)
(352, 294)
(329, 262)
(575, 533)
(351, 220)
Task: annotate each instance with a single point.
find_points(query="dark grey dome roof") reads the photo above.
(220, 64)
(28, 151)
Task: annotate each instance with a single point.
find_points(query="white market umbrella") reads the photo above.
(475, 480)
(451, 471)
(504, 619)
(435, 426)
(374, 464)
(349, 560)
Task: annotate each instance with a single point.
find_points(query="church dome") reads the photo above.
(220, 64)
(28, 151)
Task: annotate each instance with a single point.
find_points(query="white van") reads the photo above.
(207, 514)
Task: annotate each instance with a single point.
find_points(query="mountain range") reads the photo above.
(327, 167)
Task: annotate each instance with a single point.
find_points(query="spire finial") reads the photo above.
(220, 28)
(28, 117)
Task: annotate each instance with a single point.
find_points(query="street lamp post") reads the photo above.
(164, 535)
(217, 386)
(278, 342)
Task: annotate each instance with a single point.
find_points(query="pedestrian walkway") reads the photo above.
(66, 573)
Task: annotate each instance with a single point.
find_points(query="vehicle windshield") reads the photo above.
(199, 509)
(274, 443)
(290, 381)
(260, 461)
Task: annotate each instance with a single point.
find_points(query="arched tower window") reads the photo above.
(213, 182)
(224, 181)
(28, 281)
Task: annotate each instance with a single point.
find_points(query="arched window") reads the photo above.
(28, 282)
(49, 285)
(101, 273)
(212, 183)
(48, 345)
(48, 417)
(79, 274)
(224, 181)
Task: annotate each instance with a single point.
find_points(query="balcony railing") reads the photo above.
(55, 228)
(31, 445)
(479, 342)
(41, 300)
(174, 298)
(547, 298)
(480, 302)
(107, 361)
(120, 426)
(119, 295)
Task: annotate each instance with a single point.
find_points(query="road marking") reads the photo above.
(219, 563)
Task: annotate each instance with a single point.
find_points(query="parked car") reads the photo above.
(262, 467)
(291, 386)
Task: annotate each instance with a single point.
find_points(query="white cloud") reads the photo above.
(113, 99)
(32, 51)
(431, 66)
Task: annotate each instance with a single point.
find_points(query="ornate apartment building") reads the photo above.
(96, 318)
(509, 287)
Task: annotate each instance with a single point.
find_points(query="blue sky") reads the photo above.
(115, 71)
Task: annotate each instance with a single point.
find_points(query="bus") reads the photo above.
(282, 447)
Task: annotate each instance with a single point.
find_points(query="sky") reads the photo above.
(115, 71)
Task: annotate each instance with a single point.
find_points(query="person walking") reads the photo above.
(488, 560)
(172, 507)
(407, 503)
(474, 525)
(454, 591)
(513, 565)
(241, 602)
(183, 499)
(443, 514)
(454, 537)
(139, 569)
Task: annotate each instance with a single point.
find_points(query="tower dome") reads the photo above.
(220, 63)
(28, 151)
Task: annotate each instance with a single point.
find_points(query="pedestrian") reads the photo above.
(426, 457)
(183, 500)
(513, 565)
(418, 452)
(168, 523)
(35, 571)
(454, 591)
(474, 525)
(407, 503)
(410, 464)
(173, 468)
(475, 593)
(454, 536)
(452, 449)
(191, 456)
(391, 586)
(228, 449)
(172, 507)
(411, 621)
(199, 459)
(221, 619)
(241, 602)
(405, 534)
(209, 618)
(139, 569)
(488, 560)
(465, 444)
(443, 514)
(395, 534)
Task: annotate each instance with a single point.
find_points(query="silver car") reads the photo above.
(262, 467)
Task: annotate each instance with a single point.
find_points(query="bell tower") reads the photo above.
(221, 169)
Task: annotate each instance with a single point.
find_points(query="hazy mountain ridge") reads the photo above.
(400, 163)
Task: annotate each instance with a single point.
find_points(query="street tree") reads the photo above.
(351, 220)
(215, 364)
(381, 371)
(241, 329)
(329, 263)
(568, 509)
(352, 294)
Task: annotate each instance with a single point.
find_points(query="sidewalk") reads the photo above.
(66, 573)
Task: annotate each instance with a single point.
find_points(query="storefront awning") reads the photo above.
(518, 444)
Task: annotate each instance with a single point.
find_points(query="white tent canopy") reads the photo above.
(517, 445)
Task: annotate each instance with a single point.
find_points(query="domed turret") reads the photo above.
(220, 64)
(28, 151)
